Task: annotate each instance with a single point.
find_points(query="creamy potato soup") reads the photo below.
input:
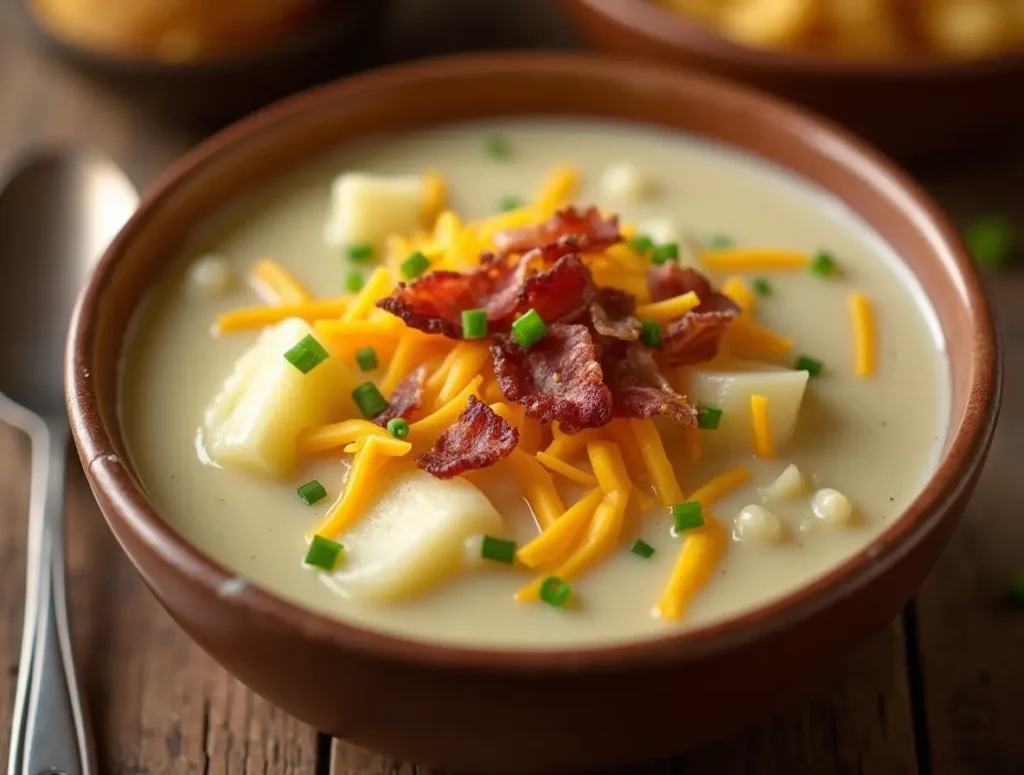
(535, 382)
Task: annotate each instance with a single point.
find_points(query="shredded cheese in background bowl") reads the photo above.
(621, 463)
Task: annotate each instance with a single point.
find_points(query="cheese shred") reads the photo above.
(538, 486)
(276, 285)
(658, 465)
(754, 260)
(762, 428)
(554, 544)
(862, 317)
(251, 318)
(702, 550)
(669, 309)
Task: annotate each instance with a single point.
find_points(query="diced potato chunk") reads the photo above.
(759, 525)
(832, 506)
(789, 484)
(369, 208)
(210, 275)
(415, 536)
(265, 401)
(624, 182)
(730, 386)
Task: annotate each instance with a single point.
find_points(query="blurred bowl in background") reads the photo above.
(206, 92)
(911, 107)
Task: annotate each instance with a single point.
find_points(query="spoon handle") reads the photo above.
(50, 736)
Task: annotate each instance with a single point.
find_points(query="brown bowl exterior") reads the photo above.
(554, 711)
(208, 93)
(912, 108)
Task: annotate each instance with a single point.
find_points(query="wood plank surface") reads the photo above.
(159, 705)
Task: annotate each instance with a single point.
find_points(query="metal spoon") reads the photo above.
(58, 212)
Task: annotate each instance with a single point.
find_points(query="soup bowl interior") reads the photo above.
(477, 709)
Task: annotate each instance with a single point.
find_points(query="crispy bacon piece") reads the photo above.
(478, 439)
(694, 337)
(558, 379)
(407, 398)
(574, 230)
(435, 302)
(638, 388)
(611, 314)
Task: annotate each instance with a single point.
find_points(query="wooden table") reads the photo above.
(941, 691)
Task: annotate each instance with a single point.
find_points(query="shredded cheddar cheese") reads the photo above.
(467, 361)
(378, 285)
(361, 485)
(747, 339)
(276, 285)
(658, 465)
(754, 260)
(862, 317)
(669, 309)
(736, 289)
(250, 318)
(702, 550)
(539, 487)
(572, 473)
(436, 423)
(433, 197)
(339, 434)
(609, 468)
(568, 446)
(762, 430)
(557, 191)
(554, 544)
(531, 433)
(721, 486)
(600, 541)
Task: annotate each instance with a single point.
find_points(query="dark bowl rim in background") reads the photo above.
(672, 29)
(819, 141)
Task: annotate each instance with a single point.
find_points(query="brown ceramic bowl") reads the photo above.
(910, 107)
(557, 711)
(209, 92)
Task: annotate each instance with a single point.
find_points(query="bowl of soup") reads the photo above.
(917, 77)
(532, 413)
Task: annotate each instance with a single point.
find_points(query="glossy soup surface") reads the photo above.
(875, 440)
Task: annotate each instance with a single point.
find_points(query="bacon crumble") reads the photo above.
(694, 337)
(574, 230)
(559, 379)
(407, 398)
(611, 314)
(477, 439)
(638, 388)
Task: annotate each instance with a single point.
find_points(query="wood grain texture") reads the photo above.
(971, 640)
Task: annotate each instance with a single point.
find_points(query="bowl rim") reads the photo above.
(646, 18)
(970, 433)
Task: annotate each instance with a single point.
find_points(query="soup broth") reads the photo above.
(874, 440)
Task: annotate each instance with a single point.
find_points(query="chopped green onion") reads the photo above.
(398, 427)
(721, 241)
(360, 252)
(323, 553)
(642, 548)
(509, 203)
(761, 286)
(497, 147)
(311, 492)
(808, 364)
(687, 516)
(1016, 590)
(414, 266)
(640, 244)
(710, 416)
(306, 355)
(366, 359)
(824, 264)
(498, 549)
(529, 329)
(474, 324)
(667, 252)
(555, 592)
(650, 333)
(990, 240)
(354, 282)
(369, 400)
